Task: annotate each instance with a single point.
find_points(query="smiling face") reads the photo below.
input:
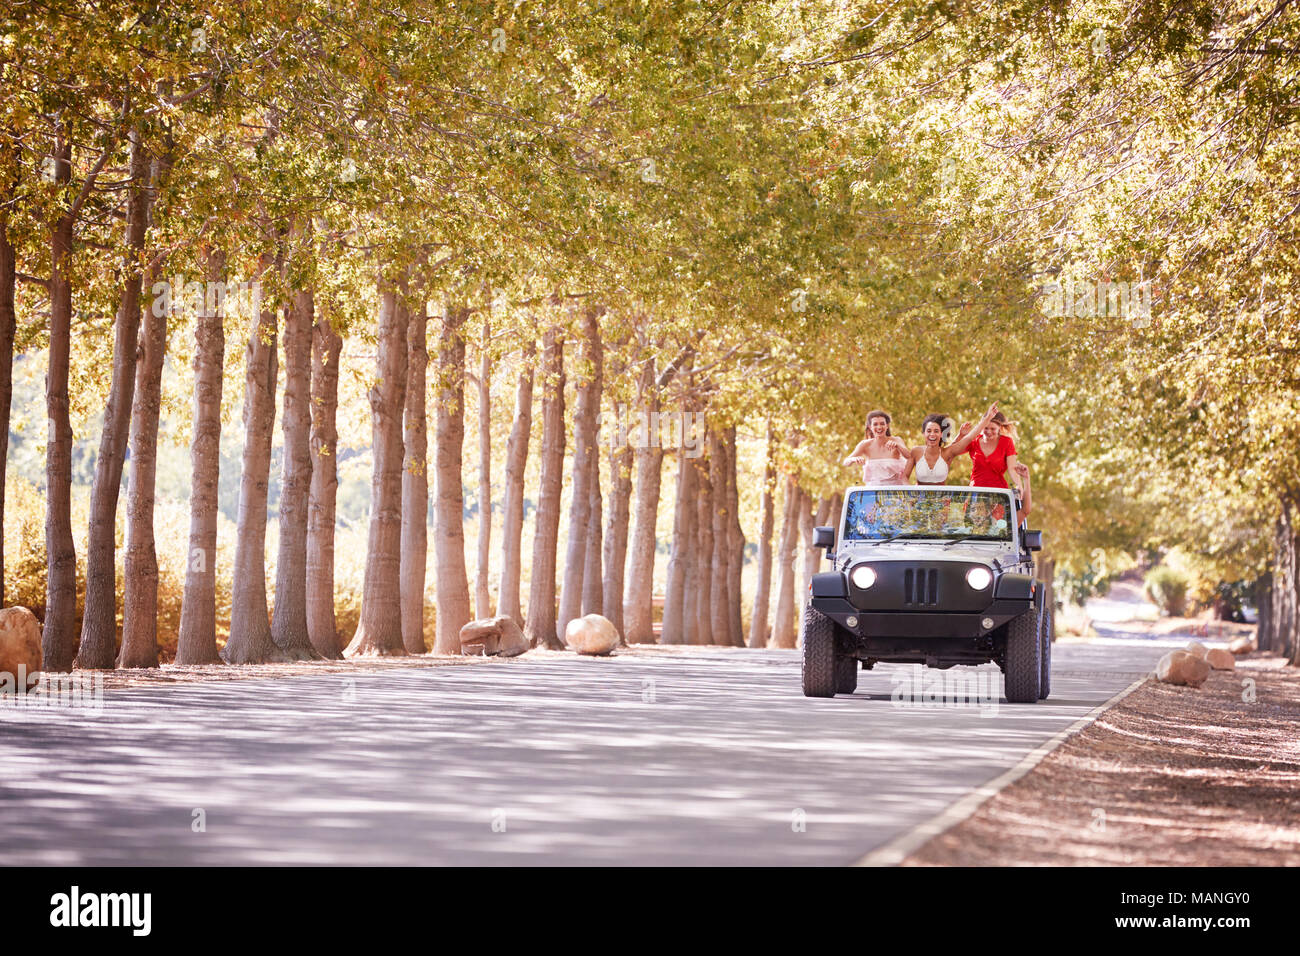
(933, 434)
(992, 431)
(878, 426)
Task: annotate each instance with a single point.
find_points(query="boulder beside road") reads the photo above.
(592, 634)
(493, 636)
(1221, 659)
(20, 641)
(1182, 667)
(1242, 645)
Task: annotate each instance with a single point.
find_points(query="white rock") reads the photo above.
(592, 634)
(1197, 648)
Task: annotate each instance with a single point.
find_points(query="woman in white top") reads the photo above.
(931, 461)
(883, 457)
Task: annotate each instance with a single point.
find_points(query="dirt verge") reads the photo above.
(1171, 776)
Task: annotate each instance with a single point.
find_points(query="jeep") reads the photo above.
(928, 574)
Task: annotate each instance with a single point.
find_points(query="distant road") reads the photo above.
(679, 756)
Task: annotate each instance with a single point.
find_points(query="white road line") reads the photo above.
(899, 848)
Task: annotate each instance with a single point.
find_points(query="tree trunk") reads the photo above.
(250, 625)
(140, 596)
(516, 461)
(703, 577)
(593, 584)
(541, 621)
(785, 626)
(812, 557)
(449, 510)
(638, 607)
(1264, 610)
(758, 625)
(8, 330)
(289, 622)
(720, 608)
(197, 642)
(585, 472)
(327, 346)
(99, 616)
(736, 543)
(615, 555)
(379, 629)
(415, 482)
(482, 594)
(678, 618)
(1282, 597)
(58, 637)
(1286, 583)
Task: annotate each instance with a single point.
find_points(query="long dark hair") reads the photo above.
(938, 420)
(877, 413)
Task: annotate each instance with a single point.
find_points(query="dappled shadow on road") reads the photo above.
(698, 758)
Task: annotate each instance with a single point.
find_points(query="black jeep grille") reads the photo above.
(921, 587)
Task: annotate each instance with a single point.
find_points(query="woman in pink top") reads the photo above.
(884, 459)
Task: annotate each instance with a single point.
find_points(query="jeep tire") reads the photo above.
(1024, 659)
(1049, 632)
(819, 670)
(846, 674)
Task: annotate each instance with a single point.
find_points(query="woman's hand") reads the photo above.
(855, 459)
(897, 446)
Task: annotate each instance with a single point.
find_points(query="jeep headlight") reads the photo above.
(979, 578)
(863, 577)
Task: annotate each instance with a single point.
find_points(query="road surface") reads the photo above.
(681, 756)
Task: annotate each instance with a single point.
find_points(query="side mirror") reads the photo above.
(1034, 540)
(824, 538)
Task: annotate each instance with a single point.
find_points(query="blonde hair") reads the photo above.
(1008, 427)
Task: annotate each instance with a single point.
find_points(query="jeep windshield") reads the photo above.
(933, 514)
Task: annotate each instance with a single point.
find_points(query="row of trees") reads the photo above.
(766, 219)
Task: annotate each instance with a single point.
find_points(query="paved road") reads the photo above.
(707, 756)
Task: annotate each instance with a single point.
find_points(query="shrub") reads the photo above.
(1166, 588)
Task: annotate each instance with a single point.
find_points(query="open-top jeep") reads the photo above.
(928, 574)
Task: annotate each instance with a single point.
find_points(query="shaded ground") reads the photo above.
(200, 673)
(1171, 776)
(659, 755)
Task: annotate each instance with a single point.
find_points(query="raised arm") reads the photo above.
(969, 435)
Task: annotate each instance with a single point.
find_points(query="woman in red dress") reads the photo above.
(994, 454)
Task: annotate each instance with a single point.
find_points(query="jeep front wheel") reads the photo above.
(1049, 628)
(846, 675)
(1024, 660)
(819, 670)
